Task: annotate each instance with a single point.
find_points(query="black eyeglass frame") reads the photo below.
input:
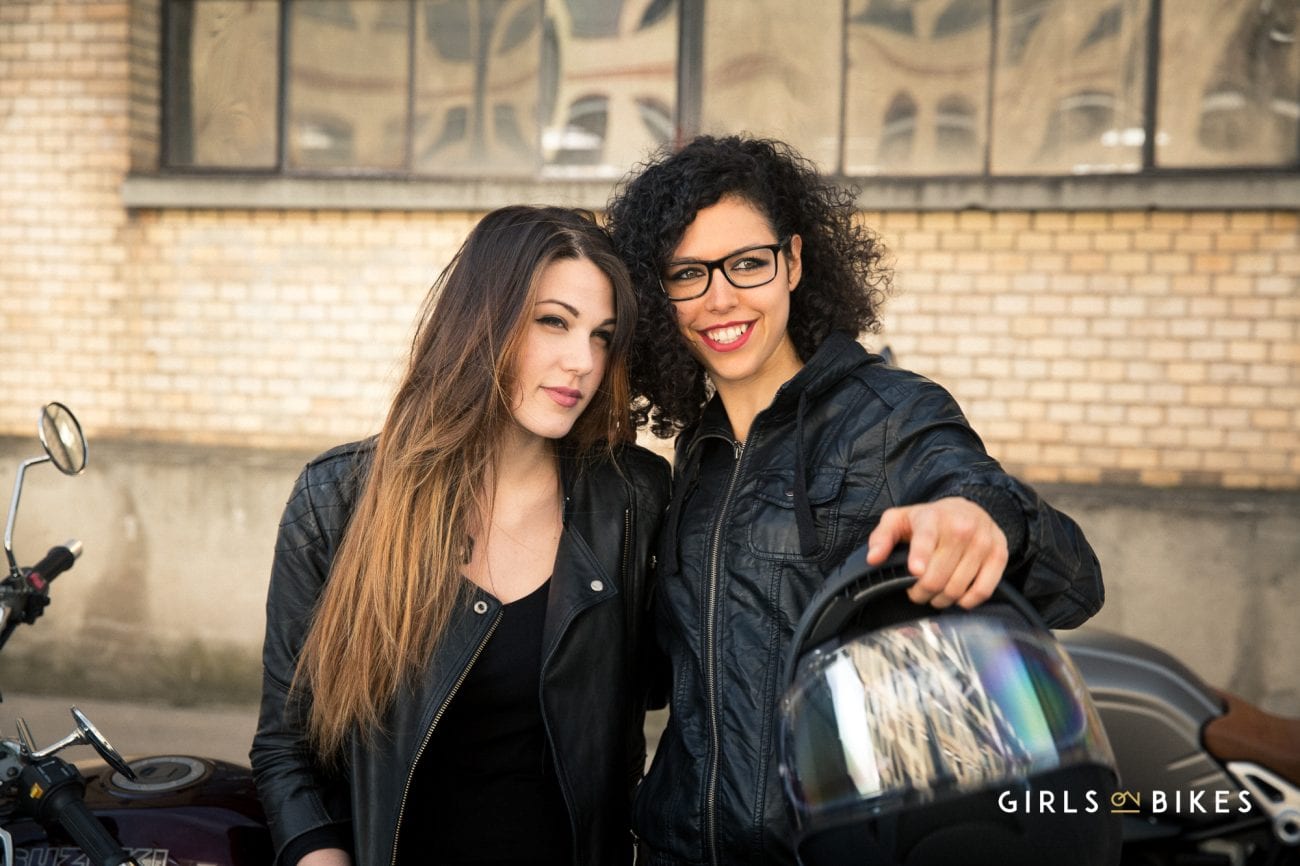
(718, 265)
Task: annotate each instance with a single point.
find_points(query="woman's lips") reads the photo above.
(728, 337)
(566, 397)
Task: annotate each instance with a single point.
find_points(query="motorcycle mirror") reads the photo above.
(100, 744)
(62, 439)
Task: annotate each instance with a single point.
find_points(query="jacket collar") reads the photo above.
(838, 355)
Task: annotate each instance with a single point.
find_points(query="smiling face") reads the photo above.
(739, 335)
(564, 349)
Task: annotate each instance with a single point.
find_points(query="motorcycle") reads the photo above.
(160, 810)
(1206, 778)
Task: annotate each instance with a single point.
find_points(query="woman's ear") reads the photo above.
(794, 261)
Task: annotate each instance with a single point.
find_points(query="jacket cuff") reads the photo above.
(316, 839)
(1004, 508)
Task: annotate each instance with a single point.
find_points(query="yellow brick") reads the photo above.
(1112, 241)
(1072, 241)
(1169, 220)
(1033, 241)
(1130, 263)
(1234, 242)
(1052, 221)
(1278, 241)
(1128, 220)
(1171, 263)
(958, 241)
(939, 220)
(1193, 242)
(1160, 477)
(975, 220)
(1249, 220)
(1232, 284)
(1090, 221)
(1208, 220)
(1011, 220)
(1152, 241)
(1288, 264)
(1256, 264)
(1088, 262)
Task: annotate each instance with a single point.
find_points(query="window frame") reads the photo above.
(1152, 186)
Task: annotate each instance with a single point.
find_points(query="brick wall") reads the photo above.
(1130, 347)
(1158, 348)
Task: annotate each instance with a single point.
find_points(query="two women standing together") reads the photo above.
(469, 614)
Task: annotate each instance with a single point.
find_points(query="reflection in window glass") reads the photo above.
(1069, 86)
(1229, 84)
(221, 84)
(917, 86)
(898, 133)
(477, 69)
(348, 70)
(609, 82)
(769, 69)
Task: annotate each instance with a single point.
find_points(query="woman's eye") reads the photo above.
(746, 264)
(686, 274)
(552, 321)
(606, 337)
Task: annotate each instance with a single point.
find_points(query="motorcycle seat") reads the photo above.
(1247, 733)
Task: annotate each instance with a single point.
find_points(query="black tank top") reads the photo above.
(485, 791)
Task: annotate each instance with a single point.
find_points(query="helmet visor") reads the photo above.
(938, 707)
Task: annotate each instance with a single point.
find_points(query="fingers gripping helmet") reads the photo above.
(910, 735)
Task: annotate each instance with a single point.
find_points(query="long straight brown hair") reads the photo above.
(397, 576)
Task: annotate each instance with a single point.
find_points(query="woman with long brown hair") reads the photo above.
(451, 661)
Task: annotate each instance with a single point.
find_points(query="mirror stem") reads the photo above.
(14, 570)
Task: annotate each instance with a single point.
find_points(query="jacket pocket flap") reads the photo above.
(778, 487)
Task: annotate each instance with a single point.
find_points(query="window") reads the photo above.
(584, 89)
(437, 88)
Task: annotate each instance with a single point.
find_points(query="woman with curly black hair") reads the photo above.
(755, 279)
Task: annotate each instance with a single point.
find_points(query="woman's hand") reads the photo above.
(957, 553)
(326, 857)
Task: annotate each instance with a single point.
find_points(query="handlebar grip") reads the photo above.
(52, 790)
(101, 848)
(55, 562)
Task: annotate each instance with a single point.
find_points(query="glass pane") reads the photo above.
(917, 86)
(610, 84)
(478, 74)
(1229, 83)
(348, 82)
(771, 67)
(1069, 86)
(221, 83)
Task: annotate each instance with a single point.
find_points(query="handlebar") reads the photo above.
(56, 561)
(53, 791)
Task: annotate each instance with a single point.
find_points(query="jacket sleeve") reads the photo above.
(655, 491)
(931, 452)
(298, 794)
(649, 480)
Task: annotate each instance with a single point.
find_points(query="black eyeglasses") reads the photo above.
(745, 269)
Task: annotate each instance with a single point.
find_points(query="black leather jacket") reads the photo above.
(752, 531)
(592, 695)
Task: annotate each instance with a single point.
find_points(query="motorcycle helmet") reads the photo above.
(913, 735)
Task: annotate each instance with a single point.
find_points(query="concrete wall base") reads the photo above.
(167, 601)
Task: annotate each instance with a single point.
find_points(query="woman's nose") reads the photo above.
(721, 294)
(579, 358)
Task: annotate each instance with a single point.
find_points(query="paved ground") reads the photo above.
(138, 729)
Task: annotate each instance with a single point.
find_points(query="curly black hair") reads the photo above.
(844, 280)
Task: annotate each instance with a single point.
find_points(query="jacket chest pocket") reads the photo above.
(773, 519)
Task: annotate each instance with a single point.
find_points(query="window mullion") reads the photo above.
(1150, 114)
